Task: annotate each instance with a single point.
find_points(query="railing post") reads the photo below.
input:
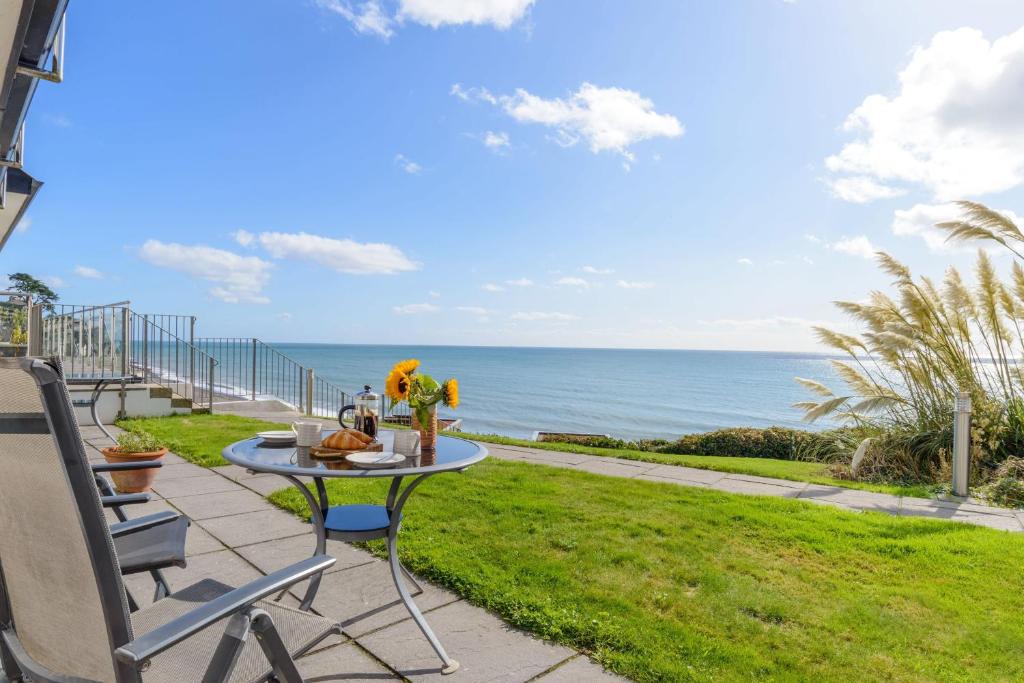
(192, 356)
(145, 348)
(210, 386)
(126, 335)
(254, 368)
(310, 377)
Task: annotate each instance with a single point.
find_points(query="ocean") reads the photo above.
(626, 393)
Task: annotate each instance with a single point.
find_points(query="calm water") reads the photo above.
(626, 393)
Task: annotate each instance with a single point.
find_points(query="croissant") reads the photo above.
(343, 441)
(359, 435)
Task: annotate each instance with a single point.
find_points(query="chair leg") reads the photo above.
(274, 648)
(230, 647)
(163, 589)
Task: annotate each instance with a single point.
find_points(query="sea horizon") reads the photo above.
(625, 393)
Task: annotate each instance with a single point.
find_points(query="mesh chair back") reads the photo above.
(62, 589)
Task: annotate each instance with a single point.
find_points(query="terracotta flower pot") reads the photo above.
(133, 481)
(428, 432)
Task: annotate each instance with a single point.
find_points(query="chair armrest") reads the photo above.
(123, 466)
(124, 499)
(149, 645)
(132, 526)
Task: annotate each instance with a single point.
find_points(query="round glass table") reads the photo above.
(361, 522)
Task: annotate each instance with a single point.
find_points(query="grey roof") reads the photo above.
(28, 29)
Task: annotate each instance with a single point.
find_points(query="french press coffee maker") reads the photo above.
(366, 410)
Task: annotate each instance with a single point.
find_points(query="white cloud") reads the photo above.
(366, 17)
(414, 309)
(813, 239)
(572, 282)
(954, 128)
(597, 271)
(861, 189)
(627, 284)
(24, 224)
(608, 119)
(521, 282)
(543, 315)
(407, 164)
(434, 294)
(744, 261)
(758, 323)
(54, 281)
(87, 272)
(243, 237)
(473, 310)
(920, 220)
(501, 14)
(855, 246)
(236, 278)
(342, 255)
(59, 120)
(496, 141)
(491, 287)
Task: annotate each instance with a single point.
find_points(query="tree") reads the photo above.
(23, 283)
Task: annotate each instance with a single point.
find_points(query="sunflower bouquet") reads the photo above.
(422, 392)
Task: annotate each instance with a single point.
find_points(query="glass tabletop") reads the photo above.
(451, 454)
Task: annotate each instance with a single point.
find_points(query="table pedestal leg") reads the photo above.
(321, 534)
(95, 411)
(397, 571)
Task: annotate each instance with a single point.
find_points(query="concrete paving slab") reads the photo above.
(232, 472)
(273, 555)
(346, 662)
(486, 648)
(182, 470)
(364, 598)
(579, 670)
(979, 519)
(264, 484)
(609, 469)
(224, 566)
(753, 488)
(554, 456)
(254, 527)
(769, 480)
(690, 474)
(913, 503)
(194, 486)
(221, 504)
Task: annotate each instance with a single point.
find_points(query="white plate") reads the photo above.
(371, 461)
(284, 436)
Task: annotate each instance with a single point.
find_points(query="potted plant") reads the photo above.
(422, 392)
(134, 447)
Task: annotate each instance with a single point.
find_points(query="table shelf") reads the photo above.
(357, 522)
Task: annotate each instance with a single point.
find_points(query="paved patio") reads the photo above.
(237, 536)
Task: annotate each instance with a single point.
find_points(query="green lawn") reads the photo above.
(663, 583)
(765, 467)
(200, 438)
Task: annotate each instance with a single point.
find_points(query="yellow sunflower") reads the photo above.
(450, 393)
(397, 385)
(407, 367)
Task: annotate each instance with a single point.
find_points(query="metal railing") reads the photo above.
(112, 341)
(91, 340)
(251, 369)
(160, 356)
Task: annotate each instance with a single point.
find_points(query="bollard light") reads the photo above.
(961, 443)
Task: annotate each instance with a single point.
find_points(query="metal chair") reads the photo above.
(150, 543)
(63, 614)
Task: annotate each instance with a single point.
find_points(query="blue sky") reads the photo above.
(552, 173)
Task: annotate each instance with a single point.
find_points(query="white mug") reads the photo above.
(307, 432)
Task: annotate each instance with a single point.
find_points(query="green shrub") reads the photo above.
(595, 441)
(774, 442)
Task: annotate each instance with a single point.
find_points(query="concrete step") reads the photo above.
(160, 392)
(179, 402)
